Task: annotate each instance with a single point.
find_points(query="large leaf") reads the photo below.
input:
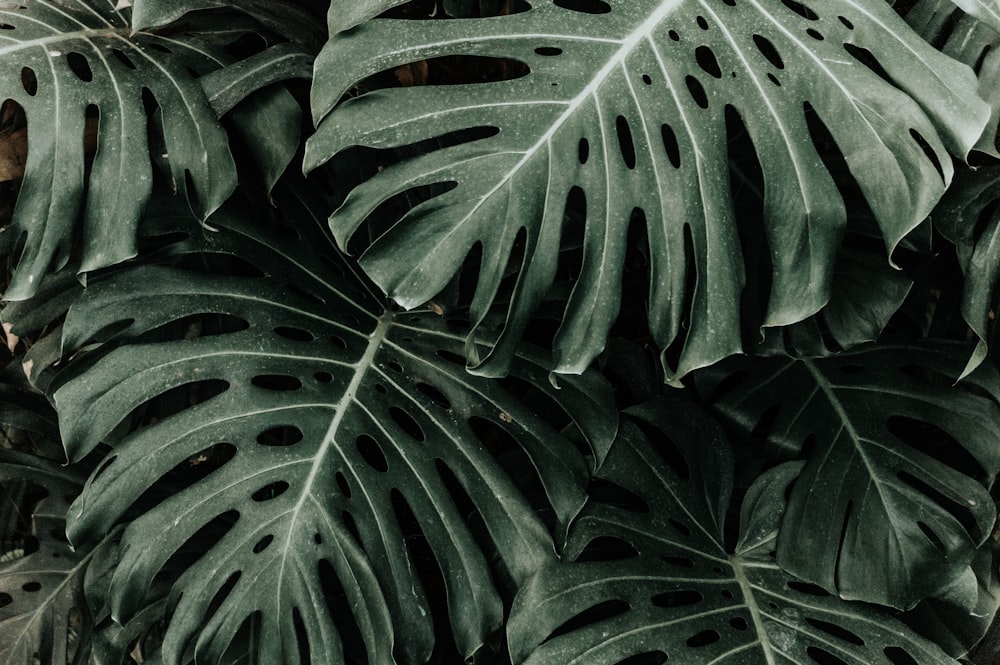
(343, 431)
(891, 504)
(625, 109)
(76, 66)
(681, 597)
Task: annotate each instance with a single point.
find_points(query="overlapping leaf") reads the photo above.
(76, 66)
(892, 501)
(44, 616)
(624, 112)
(681, 597)
(339, 427)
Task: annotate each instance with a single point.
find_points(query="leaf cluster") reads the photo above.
(593, 332)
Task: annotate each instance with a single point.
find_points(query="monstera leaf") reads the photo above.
(623, 117)
(974, 42)
(44, 616)
(891, 503)
(77, 67)
(680, 596)
(344, 434)
(969, 216)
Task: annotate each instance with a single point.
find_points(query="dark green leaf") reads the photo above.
(682, 597)
(335, 414)
(628, 107)
(892, 502)
(76, 67)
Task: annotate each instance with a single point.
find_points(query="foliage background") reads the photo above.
(594, 332)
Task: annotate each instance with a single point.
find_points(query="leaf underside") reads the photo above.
(680, 596)
(623, 116)
(345, 431)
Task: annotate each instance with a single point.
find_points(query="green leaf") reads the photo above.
(346, 431)
(681, 597)
(629, 108)
(969, 216)
(70, 63)
(891, 504)
(269, 123)
(987, 11)
(867, 291)
(974, 42)
(44, 616)
(298, 19)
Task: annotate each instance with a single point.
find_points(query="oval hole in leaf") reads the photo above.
(583, 151)
(815, 34)
(868, 59)
(703, 639)
(647, 658)
(898, 656)
(262, 544)
(707, 61)
(323, 377)
(283, 435)
(80, 67)
(607, 548)
(29, 81)
(371, 452)
(680, 561)
(625, 144)
(768, 50)
(697, 91)
(342, 485)
(271, 491)
(548, 50)
(929, 152)
(407, 423)
(739, 623)
(933, 537)
(294, 334)
(837, 631)
(31, 587)
(122, 58)
(678, 598)
(434, 395)
(5, 599)
(600, 612)
(823, 657)
(585, 6)
(670, 145)
(276, 382)
(159, 47)
(451, 357)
